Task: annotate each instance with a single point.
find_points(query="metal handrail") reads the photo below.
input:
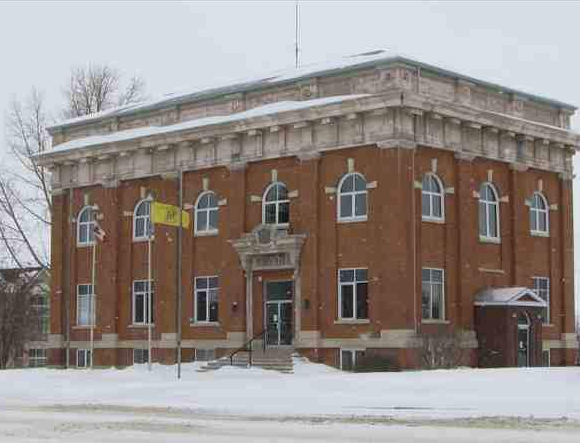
(248, 347)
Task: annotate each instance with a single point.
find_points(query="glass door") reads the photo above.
(278, 312)
(523, 340)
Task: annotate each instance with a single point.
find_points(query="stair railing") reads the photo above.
(248, 346)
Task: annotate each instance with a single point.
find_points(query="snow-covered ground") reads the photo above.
(316, 403)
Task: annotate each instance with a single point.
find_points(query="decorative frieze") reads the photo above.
(381, 120)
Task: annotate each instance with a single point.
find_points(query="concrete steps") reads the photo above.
(277, 359)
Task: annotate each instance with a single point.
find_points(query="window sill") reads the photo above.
(83, 327)
(356, 321)
(85, 245)
(138, 326)
(434, 322)
(206, 324)
(539, 234)
(352, 220)
(214, 233)
(492, 240)
(548, 325)
(437, 221)
(143, 239)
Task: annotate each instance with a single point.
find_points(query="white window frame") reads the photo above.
(431, 283)
(206, 290)
(87, 358)
(353, 352)
(488, 204)
(90, 225)
(37, 361)
(41, 305)
(207, 212)
(354, 294)
(146, 294)
(431, 196)
(539, 212)
(90, 303)
(353, 193)
(148, 226)
(277, 204)
(537, 291)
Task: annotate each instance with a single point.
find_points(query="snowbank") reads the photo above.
(312, 390)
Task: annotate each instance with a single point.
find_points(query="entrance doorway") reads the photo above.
(523, 340)
(278, 313)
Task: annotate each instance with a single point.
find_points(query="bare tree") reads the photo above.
(18, 316)
(25, 197)
(25, 201)
(442, 349)
(97, 88)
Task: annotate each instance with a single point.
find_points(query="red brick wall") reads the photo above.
(384, 244)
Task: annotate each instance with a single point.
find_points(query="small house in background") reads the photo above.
(32, 282)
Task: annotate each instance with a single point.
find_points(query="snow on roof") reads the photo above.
(146, 131)
(358, 61)
(275, 77)
(517, 296)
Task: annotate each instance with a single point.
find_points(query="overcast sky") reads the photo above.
(173, 46)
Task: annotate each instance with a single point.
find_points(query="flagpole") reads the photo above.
(149, 285)
(178, 272)
(93, 295)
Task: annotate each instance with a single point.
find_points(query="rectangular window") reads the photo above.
(141, 295)
(36, 358)
(433, 294)
(140, 356)
(206, 299)
(83, 358)
(204, 354)
(85, 305)
(541, 286)
(41, 306)
(349, 357)
(353, 294)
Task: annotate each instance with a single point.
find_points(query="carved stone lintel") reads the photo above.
(268, 247)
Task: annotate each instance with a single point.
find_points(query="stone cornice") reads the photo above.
(386, 120)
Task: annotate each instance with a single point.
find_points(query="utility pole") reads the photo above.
(178, 272)
(92, 316)
(149, 283)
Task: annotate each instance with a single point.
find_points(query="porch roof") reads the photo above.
(517, 296)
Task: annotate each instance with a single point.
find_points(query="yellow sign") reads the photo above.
(169, 215)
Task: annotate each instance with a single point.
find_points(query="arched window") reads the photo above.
(488, 212)
(86, 226)
(352, 197)
(539, 218)
(276, 205)
(142, 220)
(432, 204)
(206, 213)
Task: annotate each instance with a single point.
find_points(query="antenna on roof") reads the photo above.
(297, 30)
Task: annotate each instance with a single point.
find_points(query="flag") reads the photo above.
(98, 232)
(169, 215)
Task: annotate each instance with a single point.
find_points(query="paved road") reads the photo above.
(98, 425)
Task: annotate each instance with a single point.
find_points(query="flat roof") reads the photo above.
(344, 65)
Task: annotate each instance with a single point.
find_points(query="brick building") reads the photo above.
(342, 208)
